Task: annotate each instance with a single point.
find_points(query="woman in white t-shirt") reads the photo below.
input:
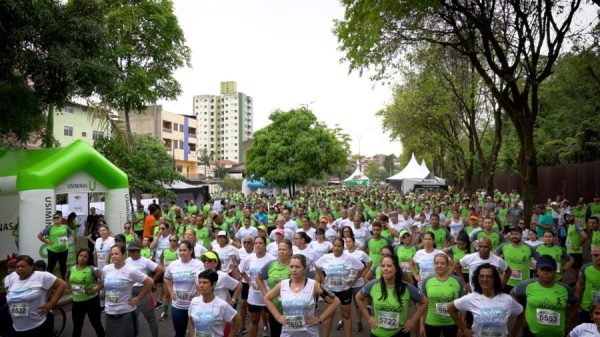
(422, 263)
(27, 293)
(588, 329)
(249, 269)
(118, 279)
(208, 314)
(102, 246)
(320, 246)
(335, 270)
(297, 295)
(180, 283)
(363, 257)
(301, 246)
(491, 308)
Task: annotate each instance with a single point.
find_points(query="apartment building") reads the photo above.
(177, 132)
(224, 122)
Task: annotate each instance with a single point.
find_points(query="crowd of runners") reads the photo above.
(426, 264)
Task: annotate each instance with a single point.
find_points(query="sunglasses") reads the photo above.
(163, 228)
(127, 227)
(248, 242)
(172, 240)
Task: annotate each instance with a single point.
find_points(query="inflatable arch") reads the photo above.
(30, 180)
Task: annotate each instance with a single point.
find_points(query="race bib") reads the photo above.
(516, 275)
(492, 332)
(442, 309)
(203, 334)
(78, 289)
(335, 281)
(182, 295)
(352, 274)
(19, 309)
(389, 320)
(295, 323)
(547, 317)
(405, 267)
(112, 297)
(63, 240)
(101, 257)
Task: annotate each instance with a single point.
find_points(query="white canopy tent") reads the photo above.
(357, 178)
(411, 174)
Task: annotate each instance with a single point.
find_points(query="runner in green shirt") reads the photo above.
(57, 237)
(405, 253)
(559, 254)
(458, 251)
(594, 226)
(391, 296)
(588, 285)
(576, 237)
(549, 306)
(441, 289)
(375, 243)
(82, 278)
(442, 237)
(517, 256)
(138, 220)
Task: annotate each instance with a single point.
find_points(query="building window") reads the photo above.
(97, 135)
(181, 127)
(84, 134)
(68, 131)
(175, 126)
(181, 144)
(179, 168)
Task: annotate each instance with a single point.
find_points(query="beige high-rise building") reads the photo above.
(224, 122)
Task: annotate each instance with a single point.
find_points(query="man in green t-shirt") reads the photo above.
(374, 244)
(517, 256)
(594, 226)
(575, 240)
(549, 306)
(559, 254)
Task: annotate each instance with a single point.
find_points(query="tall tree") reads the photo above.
(146, 47)
(204, 159)
(149, 167)
(294, 148)
(517, 41)
(49, 52)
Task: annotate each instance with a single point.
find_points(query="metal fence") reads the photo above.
(571, 181)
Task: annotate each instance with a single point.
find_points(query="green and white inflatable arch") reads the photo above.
(30, 180)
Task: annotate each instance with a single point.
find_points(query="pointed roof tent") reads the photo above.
(47, 168)
(357, 174)
(411, 171)
(424, 166)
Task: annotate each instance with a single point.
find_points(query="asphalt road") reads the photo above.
(165, 327)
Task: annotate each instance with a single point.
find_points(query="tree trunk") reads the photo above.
(128, 129)
(528, 169)
(49, 136)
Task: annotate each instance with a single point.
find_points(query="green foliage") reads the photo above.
(294, 148)
(148, 166)
(231, 184)
(146, 47)
(220, 171)
(375, 171)
(204, 159)
(49, 52)
(569, 128)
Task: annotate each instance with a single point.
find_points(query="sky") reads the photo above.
(282, 53)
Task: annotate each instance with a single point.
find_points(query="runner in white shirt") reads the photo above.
(180, 282)
(244, 252)
(208, 314)
(307, 228)
(225, 283)
(422, 262)
(146, 266)
(246, 230)
(589, 329)
(273, 247)
(483, 255)
(118, 279)
(335, 270)
(27, 297)
(287, 233)
(491, 307)
(250, 268)
(228, 254)
(102, 246)
(366, 260)
(320, 246)
(301, 242)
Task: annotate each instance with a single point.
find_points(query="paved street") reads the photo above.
(166, 329)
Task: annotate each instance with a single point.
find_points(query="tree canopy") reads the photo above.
(511, 44)
(49, 52)
(294, 148)
(148, 166)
